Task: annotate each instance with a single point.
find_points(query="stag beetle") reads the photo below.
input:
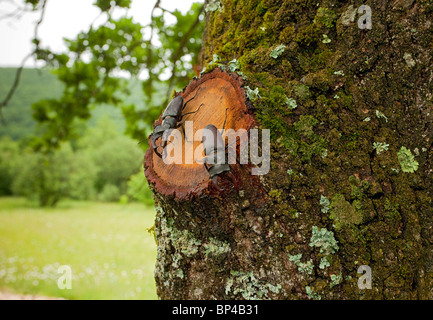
(170, 120)
(214, 148)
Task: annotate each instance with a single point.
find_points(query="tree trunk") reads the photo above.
(351, 182)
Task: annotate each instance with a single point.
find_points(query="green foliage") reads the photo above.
(44, 178)
(117, 160)
(105, 5)
(34, 86)
(407, 160)
(116, 156)
(42, 84)
(82, 176)
(109, 193)
(9, 155)
(138, 189)
(99, 167)
(89, 70)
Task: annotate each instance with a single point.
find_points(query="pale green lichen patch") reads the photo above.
(381, 115)
(407, 160)
(326, 39)
(336, 280)
(278, 51)
(324, 263)
(233, 65)
(216, 248)
(214, 5)
(291, 103)
(325, 203)
(303, 267)
(312, 294)
(173, 246)
(186, 242)
(323, 239)
(380, 147)
(253, 95)
(409, 60)
(348, 17)
(247, 285)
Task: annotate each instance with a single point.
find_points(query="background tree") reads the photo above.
(101, 67)
(89, 70)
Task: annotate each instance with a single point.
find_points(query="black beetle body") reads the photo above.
(215, 150)
(170, 120)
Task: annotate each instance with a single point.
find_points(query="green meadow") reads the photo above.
(108, 247)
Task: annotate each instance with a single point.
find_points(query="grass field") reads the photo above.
(107, 246)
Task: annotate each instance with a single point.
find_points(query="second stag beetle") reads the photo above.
(171, 119)
(215, 155)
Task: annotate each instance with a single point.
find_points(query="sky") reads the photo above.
(63, 19)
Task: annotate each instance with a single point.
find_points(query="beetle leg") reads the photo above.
(154, 138)
(234, 180)
(215, 184)
(224, 125)
(155, 147)
(184, 133)
(159, 154)
(165, 142)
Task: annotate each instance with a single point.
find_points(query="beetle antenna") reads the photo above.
(191, 98)
(224, 125)
(185, 114)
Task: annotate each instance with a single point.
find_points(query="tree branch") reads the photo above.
(41, 19)
(179, 52)
(14, 87)
(17, 79)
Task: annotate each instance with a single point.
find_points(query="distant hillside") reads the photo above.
(33, 87)
(42, 84)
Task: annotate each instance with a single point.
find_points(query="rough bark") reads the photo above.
(353, 88)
